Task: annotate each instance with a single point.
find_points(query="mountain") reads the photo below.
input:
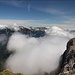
(7, 31)
(56, 31)
(68, 59)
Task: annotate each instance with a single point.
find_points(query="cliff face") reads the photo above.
(67, 62)
(67, 66)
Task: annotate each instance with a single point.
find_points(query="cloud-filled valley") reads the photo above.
(37, 55)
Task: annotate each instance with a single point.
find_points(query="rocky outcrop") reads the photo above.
(67, 66)
(8, 72)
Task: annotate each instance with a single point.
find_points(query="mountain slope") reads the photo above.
(68, 59)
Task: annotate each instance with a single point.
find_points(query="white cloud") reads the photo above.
(21, 22)
(52, 11)
(35, 23)
(35, 56)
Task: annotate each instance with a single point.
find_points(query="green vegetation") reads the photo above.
(8, 72)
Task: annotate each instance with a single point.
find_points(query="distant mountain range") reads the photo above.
(34, 32)
(7, 31)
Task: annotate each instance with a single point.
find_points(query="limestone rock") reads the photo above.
(68, 59)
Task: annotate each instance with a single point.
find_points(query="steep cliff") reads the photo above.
(68, 59)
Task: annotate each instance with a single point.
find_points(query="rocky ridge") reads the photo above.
(68, 59)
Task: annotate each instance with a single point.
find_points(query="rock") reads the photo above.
(8, 72)
(67, 66)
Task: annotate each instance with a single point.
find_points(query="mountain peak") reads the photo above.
(3, 26)
(56, 28)
(56, 31)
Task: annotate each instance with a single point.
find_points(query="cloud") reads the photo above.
(35, 23)
(53, 11)
(29, 6)
(20, 22)
(15, 3)
(35, 56)
(70, 21)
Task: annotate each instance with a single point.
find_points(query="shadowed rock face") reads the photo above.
(68, 59)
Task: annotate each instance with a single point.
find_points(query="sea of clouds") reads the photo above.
(35, 56)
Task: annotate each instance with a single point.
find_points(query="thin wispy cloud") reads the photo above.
(29, 6)
(70, 21)
(12, 2)
(21, 22)
(53, 11)
(36, 13)
(62, 15)
(18, 3)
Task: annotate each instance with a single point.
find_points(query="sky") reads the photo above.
(37, 12)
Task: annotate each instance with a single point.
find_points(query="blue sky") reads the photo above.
(37, 12)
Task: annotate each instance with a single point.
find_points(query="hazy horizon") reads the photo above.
(38, 13)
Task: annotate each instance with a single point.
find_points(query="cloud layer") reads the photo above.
(36, 55)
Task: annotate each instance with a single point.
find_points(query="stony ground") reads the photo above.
(8, 72)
